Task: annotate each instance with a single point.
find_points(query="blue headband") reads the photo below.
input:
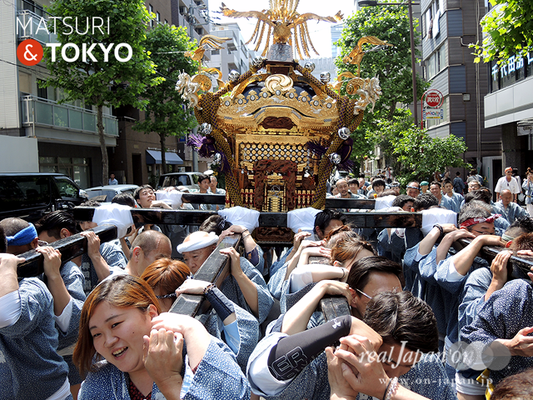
(23, 237)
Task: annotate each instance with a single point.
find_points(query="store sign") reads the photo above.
(433, 113)
(513, 64)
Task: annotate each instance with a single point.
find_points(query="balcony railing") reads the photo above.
(43, 112)
(31, 26)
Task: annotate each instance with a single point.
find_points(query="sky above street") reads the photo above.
(320, 32)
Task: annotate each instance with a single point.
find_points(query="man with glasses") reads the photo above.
(507, 182)
(473, 185)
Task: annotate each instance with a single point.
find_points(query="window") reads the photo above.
(435, 63)
(23, 192)
(66, 188)
(42, 92)
(151, 9)
(441, 58)
(32, 6)
(494, 71)
(76, 168)
(429, 24)
(25, 83)
(431, 66)
(514, 69)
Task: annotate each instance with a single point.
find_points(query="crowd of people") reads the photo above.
(429, 318)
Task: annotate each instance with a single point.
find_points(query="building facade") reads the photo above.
(136, 158)
(39, 133)
(234, 56)
(509, 106)
(448, 27)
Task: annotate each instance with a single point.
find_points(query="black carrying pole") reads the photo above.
(266, 219)
(69, 247)
(522, 263)
(215, 269)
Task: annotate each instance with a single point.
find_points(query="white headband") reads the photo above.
(198, 240)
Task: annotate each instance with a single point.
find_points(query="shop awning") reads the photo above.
(154, 157)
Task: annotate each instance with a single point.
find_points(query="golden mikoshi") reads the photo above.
(277, 130)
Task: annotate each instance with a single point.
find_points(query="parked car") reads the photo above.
(31, 195)
(187, 179)
(107, 192)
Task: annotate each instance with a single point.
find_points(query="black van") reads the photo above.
(31, 195)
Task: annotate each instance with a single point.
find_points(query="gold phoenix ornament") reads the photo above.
(284, 22)
(207, 42)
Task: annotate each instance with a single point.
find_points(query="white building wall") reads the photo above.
(511, 104)
(18, 154)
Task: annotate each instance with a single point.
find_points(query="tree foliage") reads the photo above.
(391, 65)
(415, 154)
(101, 83)
(165, 111)
(509, 30)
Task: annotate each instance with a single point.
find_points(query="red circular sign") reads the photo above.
(433, 98)
(30, 52)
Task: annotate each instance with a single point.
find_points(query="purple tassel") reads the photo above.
(208, 148)
(316, 148)
(346, 149)
(346, 166)
(205, 146)
(195, 140)
(224, 164)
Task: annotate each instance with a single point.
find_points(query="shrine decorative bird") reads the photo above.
(207, 42)
(356, 55)
(283, 22)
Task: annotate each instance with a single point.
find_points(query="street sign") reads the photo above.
(430, 106)
(433, 98)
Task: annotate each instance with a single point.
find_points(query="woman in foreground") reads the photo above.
(131, 352)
